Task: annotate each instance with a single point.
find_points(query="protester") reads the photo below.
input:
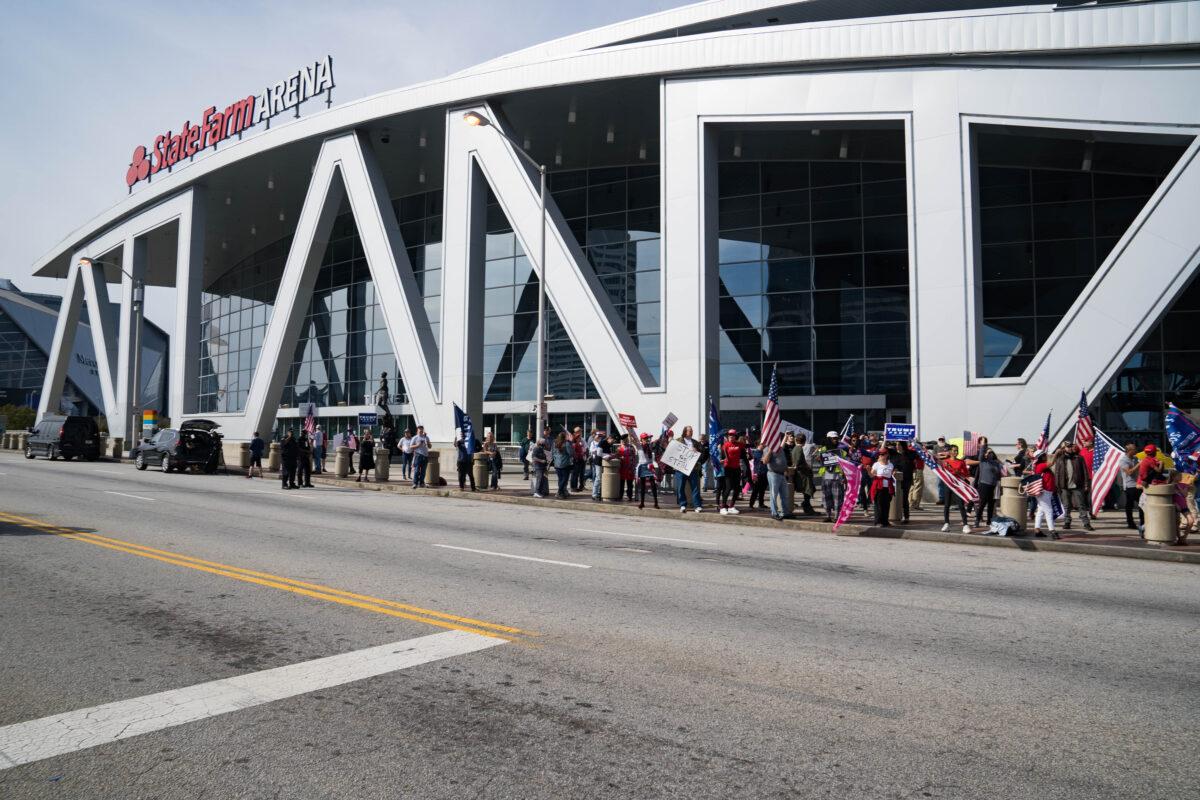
(689, 484)
(1128, 467)
(579, 460)
(318, 446)
(987, 478)
(833, 482)
(628, 467)
(800, 457)
(883, 486)
(645, 471)
(1045, 501)
(1187, 520)
(387, 442)
(916, 493)
(596, 453)
(957, 467)
(495, 461)
(757, 476)
(539, 462)
(304, 461)
(257, 445)
(523, 453)
(406, 455)
(730, 487)
(902, 458)
(563, 458)
(420, 453)
(366, 456)
(779, 468)
(709, 485)
(289, 453)
(1072, 479)
(351, 441)
(462, 449)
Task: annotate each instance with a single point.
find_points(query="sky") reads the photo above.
(83, 82)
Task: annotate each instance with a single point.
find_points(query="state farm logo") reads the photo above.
(139, 166)
(215, 126)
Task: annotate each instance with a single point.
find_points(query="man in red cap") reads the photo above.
(731, 459)
(1150, 471)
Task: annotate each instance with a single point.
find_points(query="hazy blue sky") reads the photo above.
(83, 82)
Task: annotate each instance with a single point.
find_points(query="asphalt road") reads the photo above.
(637, 658)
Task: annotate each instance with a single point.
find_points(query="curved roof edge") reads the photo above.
(1009, 31)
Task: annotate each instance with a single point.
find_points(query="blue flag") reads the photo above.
(462, 421)
(1183, 435)
(714, 434)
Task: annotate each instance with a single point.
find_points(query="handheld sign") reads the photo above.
(899, 432)
(669, 421)
(628, 421)
(367, 418)
(680, 457)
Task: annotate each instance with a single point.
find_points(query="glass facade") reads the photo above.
(613, 213)
(1051, 209)
(1166, 367)
(22, 364)
(813, 266)
(344, 344)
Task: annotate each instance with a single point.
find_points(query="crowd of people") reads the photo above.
(796, 473)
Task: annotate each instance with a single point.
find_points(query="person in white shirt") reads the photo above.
(406, 455)
(883, 486)
(420, 450)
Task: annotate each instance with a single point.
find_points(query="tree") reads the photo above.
(19, 417)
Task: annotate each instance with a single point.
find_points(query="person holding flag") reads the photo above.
(832, 473)
(1183, 437)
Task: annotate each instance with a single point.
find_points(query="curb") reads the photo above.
(793, 525)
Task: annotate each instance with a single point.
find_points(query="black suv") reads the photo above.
(69, 437)
(194, 444)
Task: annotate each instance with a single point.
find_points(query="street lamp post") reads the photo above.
(477, 120)
(139, 290)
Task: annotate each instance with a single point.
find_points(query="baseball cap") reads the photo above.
(1151, 449)
(832, 434)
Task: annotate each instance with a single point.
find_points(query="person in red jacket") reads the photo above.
(1150, 471)
(956, 466)
(1045, 500)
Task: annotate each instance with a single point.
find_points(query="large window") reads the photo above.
(1166, 367)
(813, 264)
(1052, 205)
(344, 344)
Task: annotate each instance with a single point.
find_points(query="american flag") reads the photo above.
(1084, 431)
(954, 483)
(847, 433)
(1106, 465)
(770, 429)
(1033, 487)
(971, 443)
(310, 418)
(1044, 440)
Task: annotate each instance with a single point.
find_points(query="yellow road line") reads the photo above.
(317, 591)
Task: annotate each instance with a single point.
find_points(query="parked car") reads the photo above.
(69, 437)
(195, 444)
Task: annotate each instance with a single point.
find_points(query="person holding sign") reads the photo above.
(690, 481)
(645, 471)
(833, 482)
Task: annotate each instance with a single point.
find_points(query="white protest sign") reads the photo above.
(670, 420)
(680, 457)
(788, 427)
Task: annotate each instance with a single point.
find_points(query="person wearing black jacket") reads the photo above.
(1073, 482)
(464, 465)
(304, 460)
(902, 458)
(366, 457)
(289, 452)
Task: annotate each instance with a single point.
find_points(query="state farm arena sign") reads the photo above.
(215, 126)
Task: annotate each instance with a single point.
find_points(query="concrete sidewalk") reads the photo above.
(1111, 537)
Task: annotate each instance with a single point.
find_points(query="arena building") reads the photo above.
(957, 213)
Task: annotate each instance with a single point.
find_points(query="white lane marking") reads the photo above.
(47, 737)
(641, 536)
(134, 496)
(276, 494)
(510, 555)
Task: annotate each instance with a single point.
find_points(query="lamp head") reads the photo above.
(475, 119)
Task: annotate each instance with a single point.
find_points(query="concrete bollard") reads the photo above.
(1162, 519)
(481, 470)
(7, 442)
(117, 445)
(1012, 502)
(341, 462)
(433, 470)
(610, 480)
(383, 468)
(273, 457)
(23, 439)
